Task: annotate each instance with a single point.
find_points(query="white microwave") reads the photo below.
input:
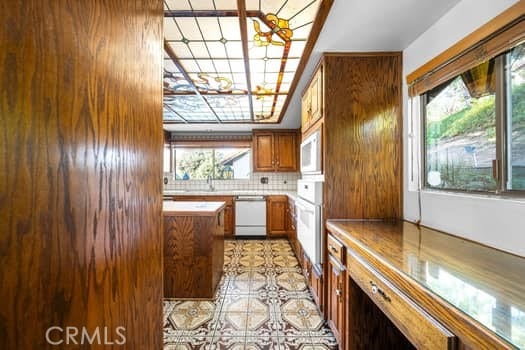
(311, 154)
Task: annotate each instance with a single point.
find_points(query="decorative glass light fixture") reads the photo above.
(232, 61)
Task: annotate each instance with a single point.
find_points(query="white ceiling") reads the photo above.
(353, 25)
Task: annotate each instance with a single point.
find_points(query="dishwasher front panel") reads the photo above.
(250, 218)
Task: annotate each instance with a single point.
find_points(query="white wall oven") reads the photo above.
(309, 218)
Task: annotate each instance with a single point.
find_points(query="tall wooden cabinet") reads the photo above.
(275, 151)
(355, 101)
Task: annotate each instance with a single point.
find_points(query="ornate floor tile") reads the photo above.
(291, 281)
(302, 314)
(257, 343)
(230, 343)
(262, 303)
(324, 343)
(231, 324)
(252, 261)
(236, 303)
(294, 343)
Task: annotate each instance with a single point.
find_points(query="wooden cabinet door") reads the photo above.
(263, 151)
(286, 152)
(228, 221)
(316, 286)
(335, 303)
(316, 97)
(305, 110)
(276, 215)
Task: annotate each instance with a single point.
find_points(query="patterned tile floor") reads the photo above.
(262, 303)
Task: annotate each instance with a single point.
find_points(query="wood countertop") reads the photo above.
(174, 208)
(485, 284)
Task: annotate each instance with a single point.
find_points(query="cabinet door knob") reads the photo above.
(376, 290)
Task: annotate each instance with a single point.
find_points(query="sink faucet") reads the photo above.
(209, 181)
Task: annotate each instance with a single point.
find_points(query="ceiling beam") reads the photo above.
(212, 93)
(174, 111)
(186, 76)
(320, 18)
(241, 5)
(210, 13)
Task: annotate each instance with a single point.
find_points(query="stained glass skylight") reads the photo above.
(232, 60)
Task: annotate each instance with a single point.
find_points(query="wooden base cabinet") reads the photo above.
(335, 305)
(316, 286)
(277, 216)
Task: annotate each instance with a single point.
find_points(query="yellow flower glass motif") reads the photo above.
(260, 92)
(278, 26)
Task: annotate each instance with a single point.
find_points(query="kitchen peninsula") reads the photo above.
(193, 248)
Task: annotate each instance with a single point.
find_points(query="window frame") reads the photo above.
(207, 146)
(501, 163)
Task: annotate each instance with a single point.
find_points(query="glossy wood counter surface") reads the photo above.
(476, 291)
(173, 208)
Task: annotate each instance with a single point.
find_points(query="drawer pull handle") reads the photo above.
(377, 290)
(338, 292)
(332, 248)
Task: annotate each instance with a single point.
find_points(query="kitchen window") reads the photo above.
(474, 127)
(221, 163)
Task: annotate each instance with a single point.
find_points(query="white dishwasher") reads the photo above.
(250, 216)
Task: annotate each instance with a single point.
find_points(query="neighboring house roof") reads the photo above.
(234, 157)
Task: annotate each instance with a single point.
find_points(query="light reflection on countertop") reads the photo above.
(486, 284)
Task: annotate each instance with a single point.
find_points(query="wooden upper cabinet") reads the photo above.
(305, 110)
(275, 151)
(276, 215)
(312, 101)
(316, 96)
(286, 151)
(263, 151)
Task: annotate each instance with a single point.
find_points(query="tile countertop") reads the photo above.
(484, 283)
(172, 208)
(290, 194)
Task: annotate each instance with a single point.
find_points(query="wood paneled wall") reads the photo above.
(363, 136)
(80, 171)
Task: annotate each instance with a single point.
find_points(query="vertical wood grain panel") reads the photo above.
(80, 170)
(363, 130)
(193, 255)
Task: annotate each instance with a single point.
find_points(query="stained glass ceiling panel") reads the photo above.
(229, 64)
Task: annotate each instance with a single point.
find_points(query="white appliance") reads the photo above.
(311, 154)
(250, 216)
(309, 218)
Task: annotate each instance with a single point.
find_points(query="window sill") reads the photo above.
(518, 197)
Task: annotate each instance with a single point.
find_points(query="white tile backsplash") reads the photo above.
(276, 181)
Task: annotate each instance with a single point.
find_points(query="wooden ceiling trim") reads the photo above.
(497, 23)
(212, 93)
(186, 76)
(320, 19)
(241, 5)
(174, 111)
(211, 13)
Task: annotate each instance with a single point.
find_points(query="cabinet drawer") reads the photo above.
(335, 249)
(423, 331)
